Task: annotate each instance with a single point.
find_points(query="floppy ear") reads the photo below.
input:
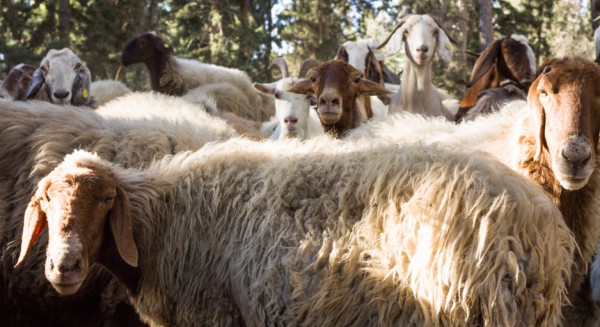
(374, 71)
(121, 225)
(445, 47)
(266, 88)
(485, 62)
(81, 88)
(37, 81)
(302, 87)
(34, 221)
(539, 118)
(394, 40)
(370, 88)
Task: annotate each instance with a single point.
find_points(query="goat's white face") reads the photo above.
(61, 69)
(357, 54)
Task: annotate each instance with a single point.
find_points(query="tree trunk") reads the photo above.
(268, 40)
(485, 23)
(152, 15)
(64, 22)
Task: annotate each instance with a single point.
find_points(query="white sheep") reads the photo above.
(309, 234)
(552, 139)
(105, 90)
(422, 37)
(63, 77)
(35, 136)
(176, 76)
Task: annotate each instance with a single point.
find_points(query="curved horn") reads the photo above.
(280, 62)
(307, 65)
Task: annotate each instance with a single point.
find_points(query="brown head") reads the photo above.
(17, 81)
(81, 204)
(565, 104)
(146, 48)
(337, 85)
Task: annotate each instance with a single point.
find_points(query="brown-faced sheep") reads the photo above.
(307, 234)
(176, 76)
(337, 86)
(34, 138)
(552, 140)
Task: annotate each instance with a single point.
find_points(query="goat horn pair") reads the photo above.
(307, 65)
(280, 62)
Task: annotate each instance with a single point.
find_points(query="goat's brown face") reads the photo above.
(565, 100)
(75, 203)
(520, 60)
(336, 85)
(144, 48)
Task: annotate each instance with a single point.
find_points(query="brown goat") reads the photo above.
(337, 85)
(506, 58)
(16, 82)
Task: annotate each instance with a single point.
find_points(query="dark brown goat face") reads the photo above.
(75, 202)
(144, 48)
(519, 59)
(336, 85)
(565, 100)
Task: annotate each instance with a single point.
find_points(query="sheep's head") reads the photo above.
(78, 201)
(65, 78)
(144, 48)
(291, 109)
(14, 86)
(565, 103)
(336, 85)
(422, 37)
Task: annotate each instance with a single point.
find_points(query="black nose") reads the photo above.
(61, 94)
(290, 120)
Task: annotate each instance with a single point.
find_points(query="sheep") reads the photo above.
(309, 234)
(337, 87)
(106, 90)
(422, 37)
(551, 139)
(14, 86)
(509, 58)
(64, 79)
(132, 130)
(293, 115)
(176, 76)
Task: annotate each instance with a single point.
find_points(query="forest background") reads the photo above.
(248, 34)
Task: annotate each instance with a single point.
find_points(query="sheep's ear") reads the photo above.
(265, 88)
(445, 47)
(37, 80)
(393, 43)
(121, 225)
(81, 88)
(34, 222)
(370, 88)
(539, 118)
(302, 87)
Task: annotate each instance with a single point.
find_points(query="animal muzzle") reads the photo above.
(61, 96)
(66, 266)
(330, 107)
(574, 162)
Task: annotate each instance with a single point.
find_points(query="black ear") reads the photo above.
(37, 81)
(81, 88)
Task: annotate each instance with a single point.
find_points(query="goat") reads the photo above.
(365, 56)
(63, 77)
(422, 37)
(287, 233)
(337, 87)
(176, 76)
(508, 58)
(294, 116)
(14, 86)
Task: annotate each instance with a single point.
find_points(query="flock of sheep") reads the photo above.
(345, 196)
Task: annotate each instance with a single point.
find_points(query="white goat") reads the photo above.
(293, 115)
(63, 77)
(422, 37)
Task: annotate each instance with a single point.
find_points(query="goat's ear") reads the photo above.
(342, 54)
(539, 118)
(393, 43)
(121, 225)
(302, 87)
(370, 88)
(265, 88)
(37, 81)
(81, 88)
(445, 47)
(34, 221)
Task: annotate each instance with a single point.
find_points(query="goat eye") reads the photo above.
(436, 33)
(44, 70)
(357, 80)
(313, 79)
(78, 66)
(277, 95)
(543, 94)
(109, 199)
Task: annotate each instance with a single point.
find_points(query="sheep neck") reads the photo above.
(162, 69)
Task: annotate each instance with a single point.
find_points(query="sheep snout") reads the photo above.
(66, 266)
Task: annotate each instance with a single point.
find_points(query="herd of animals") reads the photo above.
(345, 196)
